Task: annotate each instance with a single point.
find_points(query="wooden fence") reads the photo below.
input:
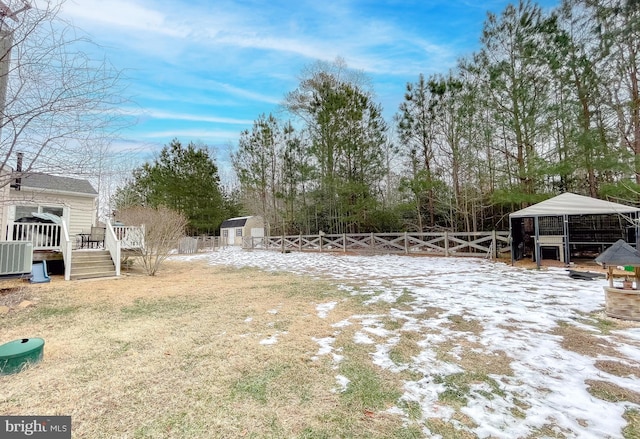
(485, 244)
(189, 245)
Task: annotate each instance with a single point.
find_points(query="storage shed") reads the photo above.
(571, 225)
(234, 230)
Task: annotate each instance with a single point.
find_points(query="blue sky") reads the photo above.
(204, 70)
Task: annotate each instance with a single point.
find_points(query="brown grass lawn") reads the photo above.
(179, 355)
(183, 355)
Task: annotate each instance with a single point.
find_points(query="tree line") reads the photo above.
(549, 103)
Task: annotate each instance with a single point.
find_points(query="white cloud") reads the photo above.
(161, 114)
(127, 14)
(222, 29)
(194, 134)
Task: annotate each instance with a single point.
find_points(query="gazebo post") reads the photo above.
(565, 247)
(536, 250)
(513, 249)
(637, 227)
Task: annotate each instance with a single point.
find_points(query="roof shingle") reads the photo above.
(56, 183)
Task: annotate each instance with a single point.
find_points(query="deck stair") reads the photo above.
(89, 264)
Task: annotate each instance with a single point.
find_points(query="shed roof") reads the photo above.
(620, 253)
(234, 222)
(56, 183)
(573, 204)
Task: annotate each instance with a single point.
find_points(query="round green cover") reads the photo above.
(15, 354)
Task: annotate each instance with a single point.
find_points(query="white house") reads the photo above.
(54, 218)
(74, 200)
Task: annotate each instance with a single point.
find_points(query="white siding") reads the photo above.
(81, 209)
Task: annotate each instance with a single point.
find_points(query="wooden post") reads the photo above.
(446, 243)
(373, 242)
(494, 244)
(610, 276)
(406, 243)
(344, 242)
(300, 242)
(282, 243)
(320, 236)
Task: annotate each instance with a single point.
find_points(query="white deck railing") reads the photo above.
(66, 249)
(130, 237)
(112, 244)
(43, 236)
(56, 237)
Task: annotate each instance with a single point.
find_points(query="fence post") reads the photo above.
(494, 244)
(282, 243)
(406, 243)
(320, 236)
(300, 242)
(373, 242)
(344, 242)
(446, 243)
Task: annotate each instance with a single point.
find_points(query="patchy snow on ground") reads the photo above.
(517, 309)
(324, 308)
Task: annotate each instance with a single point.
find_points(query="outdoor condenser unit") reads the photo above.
(15, 257)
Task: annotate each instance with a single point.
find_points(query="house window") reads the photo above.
(52, 210)
(238, 232)
(28, 211)
(25, 211)
(225, 233)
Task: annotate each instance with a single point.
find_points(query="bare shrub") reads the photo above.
(163, 228)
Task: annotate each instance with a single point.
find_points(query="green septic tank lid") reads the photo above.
(15, 354)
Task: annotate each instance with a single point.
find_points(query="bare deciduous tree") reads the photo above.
(163, 228)
(55, 100)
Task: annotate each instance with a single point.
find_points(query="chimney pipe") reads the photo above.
(19, 170)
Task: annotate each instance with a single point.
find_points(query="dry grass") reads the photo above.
(584, 342)
(617, 368)
(407, 347)
(463, 324)
(447, 430)
(12, 293)
(611, 392)
(470, 357)
(180, 355)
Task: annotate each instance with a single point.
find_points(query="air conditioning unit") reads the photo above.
(15, 258)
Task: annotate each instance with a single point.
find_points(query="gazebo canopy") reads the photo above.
(572, 204)
(620, 253)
